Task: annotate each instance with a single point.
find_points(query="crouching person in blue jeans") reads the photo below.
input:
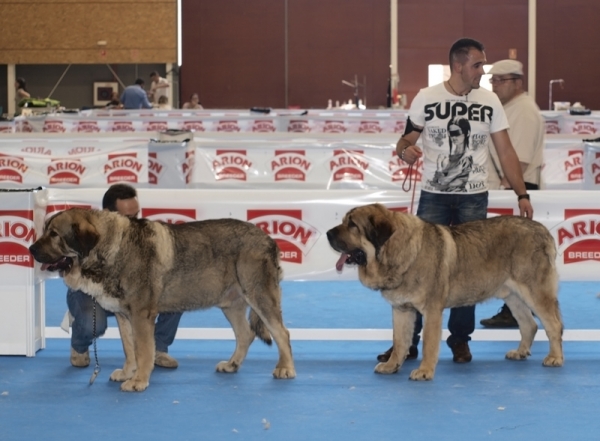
(123, 199)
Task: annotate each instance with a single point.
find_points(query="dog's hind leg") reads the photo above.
(549, 314)
(265, 300)
(127, 340)
(527, 327)
(244, 336)
(403, 319)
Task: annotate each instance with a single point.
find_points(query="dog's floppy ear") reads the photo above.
(84, 238)
(379, 231)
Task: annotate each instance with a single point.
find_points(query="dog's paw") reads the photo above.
(120, 375)
(133, 385)
(284, 373)
(551, 361)
(421, 374)
(517, 355)
(387, 368)
(227, 367)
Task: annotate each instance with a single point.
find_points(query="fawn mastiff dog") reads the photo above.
(419, 266)
(138, 268)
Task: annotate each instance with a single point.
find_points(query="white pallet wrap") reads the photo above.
(73, 162)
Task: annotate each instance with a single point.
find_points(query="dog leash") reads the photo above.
(412, 183)
(95, 339)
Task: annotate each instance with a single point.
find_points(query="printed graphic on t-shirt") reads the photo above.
(457, 165)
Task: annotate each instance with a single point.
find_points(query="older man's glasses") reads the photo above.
(501, 80)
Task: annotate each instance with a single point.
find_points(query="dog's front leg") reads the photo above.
(127, 340)
(404, 324)
(432, 334)
(142, 326)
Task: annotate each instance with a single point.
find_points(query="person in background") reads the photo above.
(115, 102)
(526, 132)
(121, 198)
(159, 87)
(135, 97)
(163, 103)
(465, 197)
(20, 94)
(193, 103)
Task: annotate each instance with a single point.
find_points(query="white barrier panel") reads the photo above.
(591, 173)
(299, 220)
(88, 161)
(277, 120)
(215, 121)
(565, 123)
(7, 127)
(325, 162)
(170, 164)
(73, 162)
(239, 160)
(563, 163)
(22, 316)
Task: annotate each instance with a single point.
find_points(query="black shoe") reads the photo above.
(504, 319)
(413, 353)
(461, 352)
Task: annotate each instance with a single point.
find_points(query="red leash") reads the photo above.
(412, 183)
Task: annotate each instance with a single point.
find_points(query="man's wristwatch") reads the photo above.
(523, 196)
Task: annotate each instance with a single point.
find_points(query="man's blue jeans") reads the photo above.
(81, 307)
(452, 209)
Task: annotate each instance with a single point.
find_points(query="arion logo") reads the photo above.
(231, 164)
(290, 165)
(122, 167)
(17, 233)
(12, 168)
(574, 165)
(298, 126)
(334, 127)
(155, 168)
(348, 165)
(65, 171)
(369, 127)
(294, 237)
(578, 237)
(399, 170)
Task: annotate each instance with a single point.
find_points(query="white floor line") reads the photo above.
(326, 334)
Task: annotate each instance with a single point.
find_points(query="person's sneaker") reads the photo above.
(461, 352)
(413, 353)
(504, 319)
(80, 360)
(163, 359)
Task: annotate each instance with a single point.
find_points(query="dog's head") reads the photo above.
(361, 235)
(68, 237)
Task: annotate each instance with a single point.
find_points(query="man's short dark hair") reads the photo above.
(154, 73)
(139, 82)
(460, 50)
(116, 192)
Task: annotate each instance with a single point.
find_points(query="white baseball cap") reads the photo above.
(506, 67)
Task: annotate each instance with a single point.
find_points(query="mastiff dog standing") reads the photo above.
(419, 266)
(138, 268)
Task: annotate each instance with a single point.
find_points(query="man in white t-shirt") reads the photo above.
(159, 87)
(527, 130)
(457, 120)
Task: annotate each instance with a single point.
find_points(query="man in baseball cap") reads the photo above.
(526, 133)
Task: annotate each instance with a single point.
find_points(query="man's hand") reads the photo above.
(411, 154)
(525, 208)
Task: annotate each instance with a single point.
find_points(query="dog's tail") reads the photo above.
(259, 328)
